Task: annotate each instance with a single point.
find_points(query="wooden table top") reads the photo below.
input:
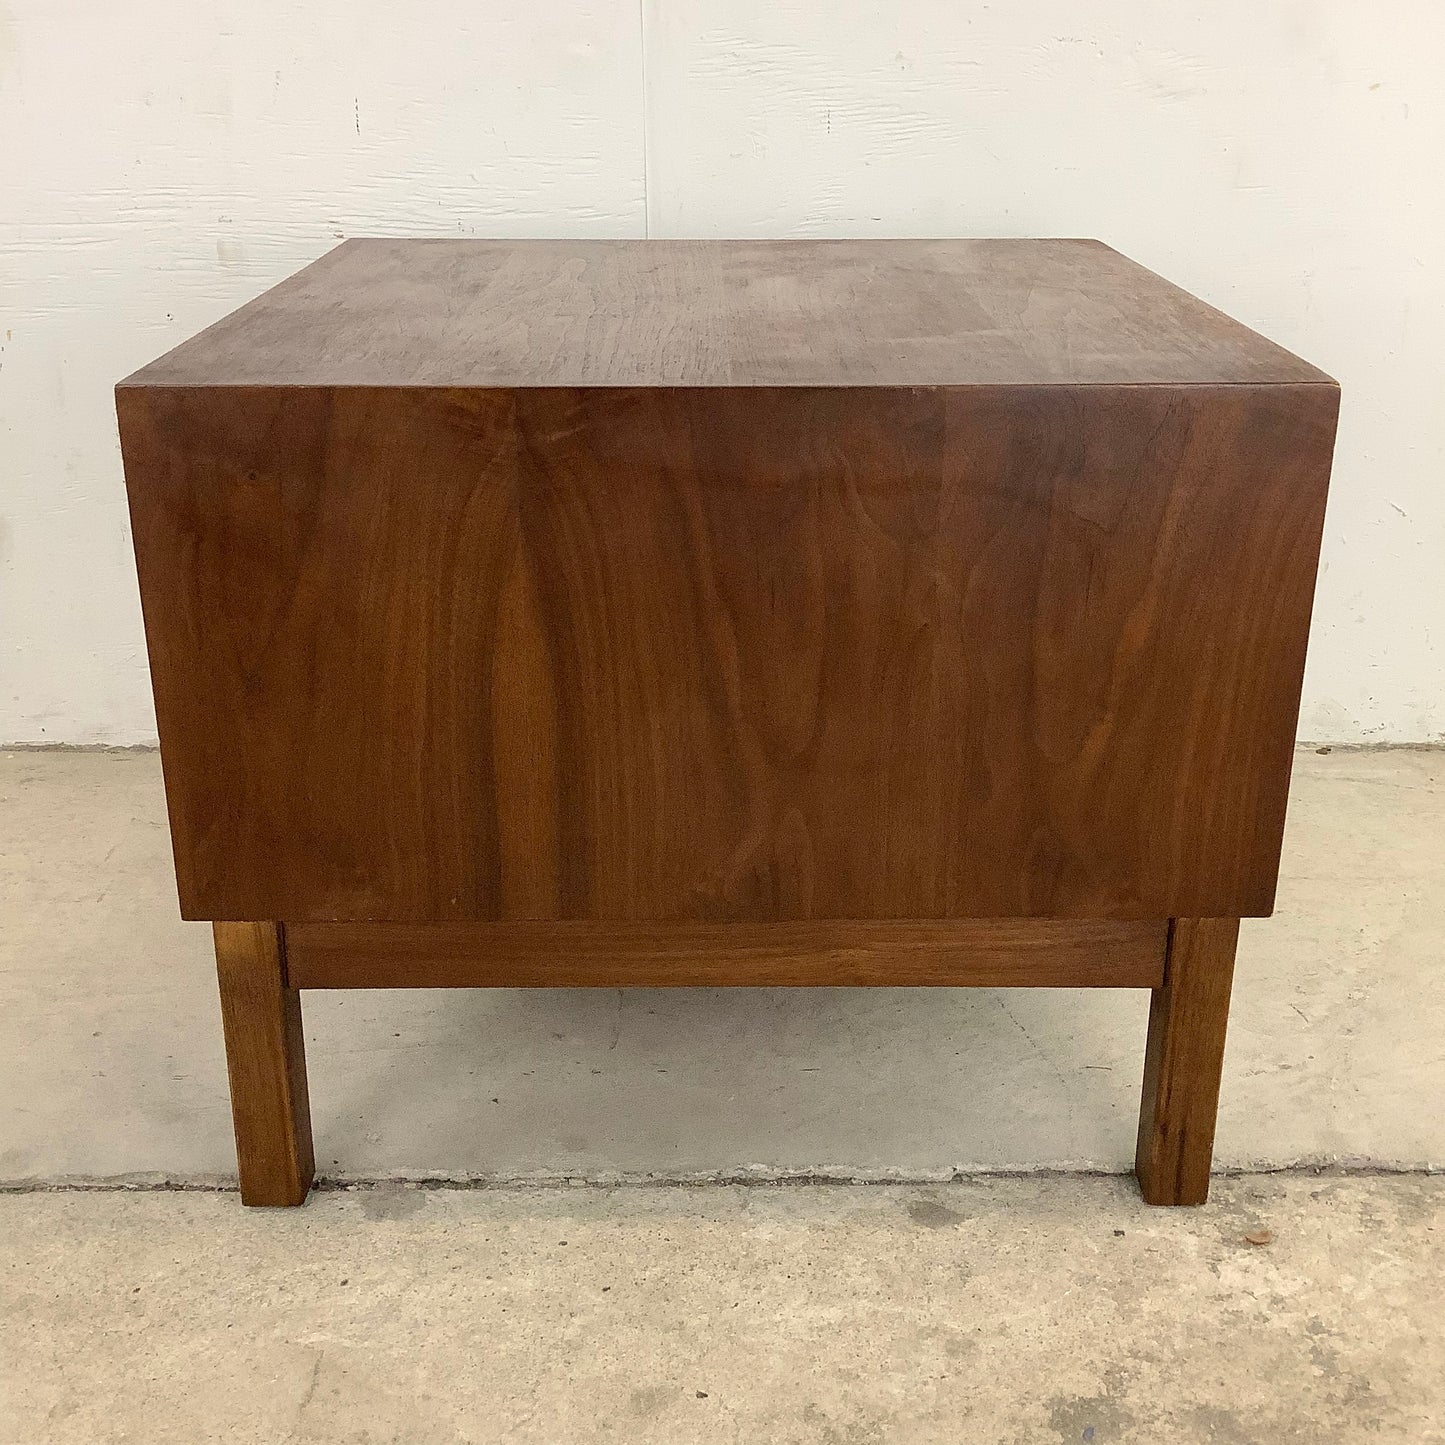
(502, 314)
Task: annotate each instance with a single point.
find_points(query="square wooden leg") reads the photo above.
(266, 1061)
(1188, 1014)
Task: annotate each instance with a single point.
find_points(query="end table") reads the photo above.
(637, 613)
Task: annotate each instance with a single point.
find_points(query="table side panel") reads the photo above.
(719, 654)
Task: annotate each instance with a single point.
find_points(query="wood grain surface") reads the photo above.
(725, 313)
(990, 953)
(266, 1062)
(427, 654)
(1188, 1015)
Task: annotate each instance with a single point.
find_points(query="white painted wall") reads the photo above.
(161, 162)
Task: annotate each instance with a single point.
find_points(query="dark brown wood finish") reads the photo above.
(611, 613)
(990, 953)
(1188, 1015)
(431, 655)
(266, 1061)
(497, 315)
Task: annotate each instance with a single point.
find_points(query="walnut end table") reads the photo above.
(627, 613)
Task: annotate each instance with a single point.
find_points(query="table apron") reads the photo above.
(982, 952)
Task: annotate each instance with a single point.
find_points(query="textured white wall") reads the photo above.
(161, 162)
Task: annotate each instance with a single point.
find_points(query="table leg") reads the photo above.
(266, 1061)
(1182, 1061)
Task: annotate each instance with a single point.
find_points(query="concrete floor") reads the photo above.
(1010, 1310)
(1006, 1311)
(111, 1063)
